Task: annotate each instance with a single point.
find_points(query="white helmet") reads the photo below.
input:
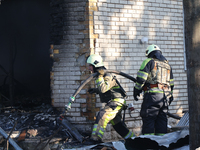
(95, 60)
(151, 48)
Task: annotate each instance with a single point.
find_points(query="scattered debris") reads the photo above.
(11, 141)
(73, 130)
(41, 128)
(39, 125)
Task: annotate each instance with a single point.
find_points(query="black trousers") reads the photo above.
(154, 113)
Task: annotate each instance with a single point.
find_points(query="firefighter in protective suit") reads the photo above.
(110, 92)
(155, 79)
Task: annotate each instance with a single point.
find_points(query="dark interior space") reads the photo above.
(25, 61)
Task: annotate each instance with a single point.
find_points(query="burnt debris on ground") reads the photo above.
(40, 124)
(39, 128)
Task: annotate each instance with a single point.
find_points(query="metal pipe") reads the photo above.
(11, 141)
(9, 135)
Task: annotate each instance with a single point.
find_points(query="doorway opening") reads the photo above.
(25, 63)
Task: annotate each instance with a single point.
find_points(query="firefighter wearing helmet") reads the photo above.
(112, 94)
(155, 80)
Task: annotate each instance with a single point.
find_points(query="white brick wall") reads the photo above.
(121, 25)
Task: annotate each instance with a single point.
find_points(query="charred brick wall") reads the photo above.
(70, 45)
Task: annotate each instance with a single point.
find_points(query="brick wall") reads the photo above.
(121, 24)
(113, 28)
(70, 46)
(72, 40)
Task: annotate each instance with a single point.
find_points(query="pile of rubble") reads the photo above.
(41, 128)
(36, 128)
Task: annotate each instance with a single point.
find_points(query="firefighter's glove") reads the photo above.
(171, 99)
(100, 72)
(93, 90)
(136, 93)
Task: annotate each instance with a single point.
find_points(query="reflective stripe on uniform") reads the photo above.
(99, 129)
(129, 135)
(139, 86)
(94, 129)
(120, 100)
(149, 134)
(144, 63)
(115, 87)
(155, 90)
(101, 132)
(171, 82)
(115, 111)
(112, 122)
(100, 80)
(142, 74)
(107, 119)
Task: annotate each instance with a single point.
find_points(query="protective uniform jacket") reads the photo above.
(155, 78)
(111, 94)
(145, 75)
(108, 88)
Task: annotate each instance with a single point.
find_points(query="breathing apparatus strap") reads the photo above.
(123, 91)
(124, 95)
